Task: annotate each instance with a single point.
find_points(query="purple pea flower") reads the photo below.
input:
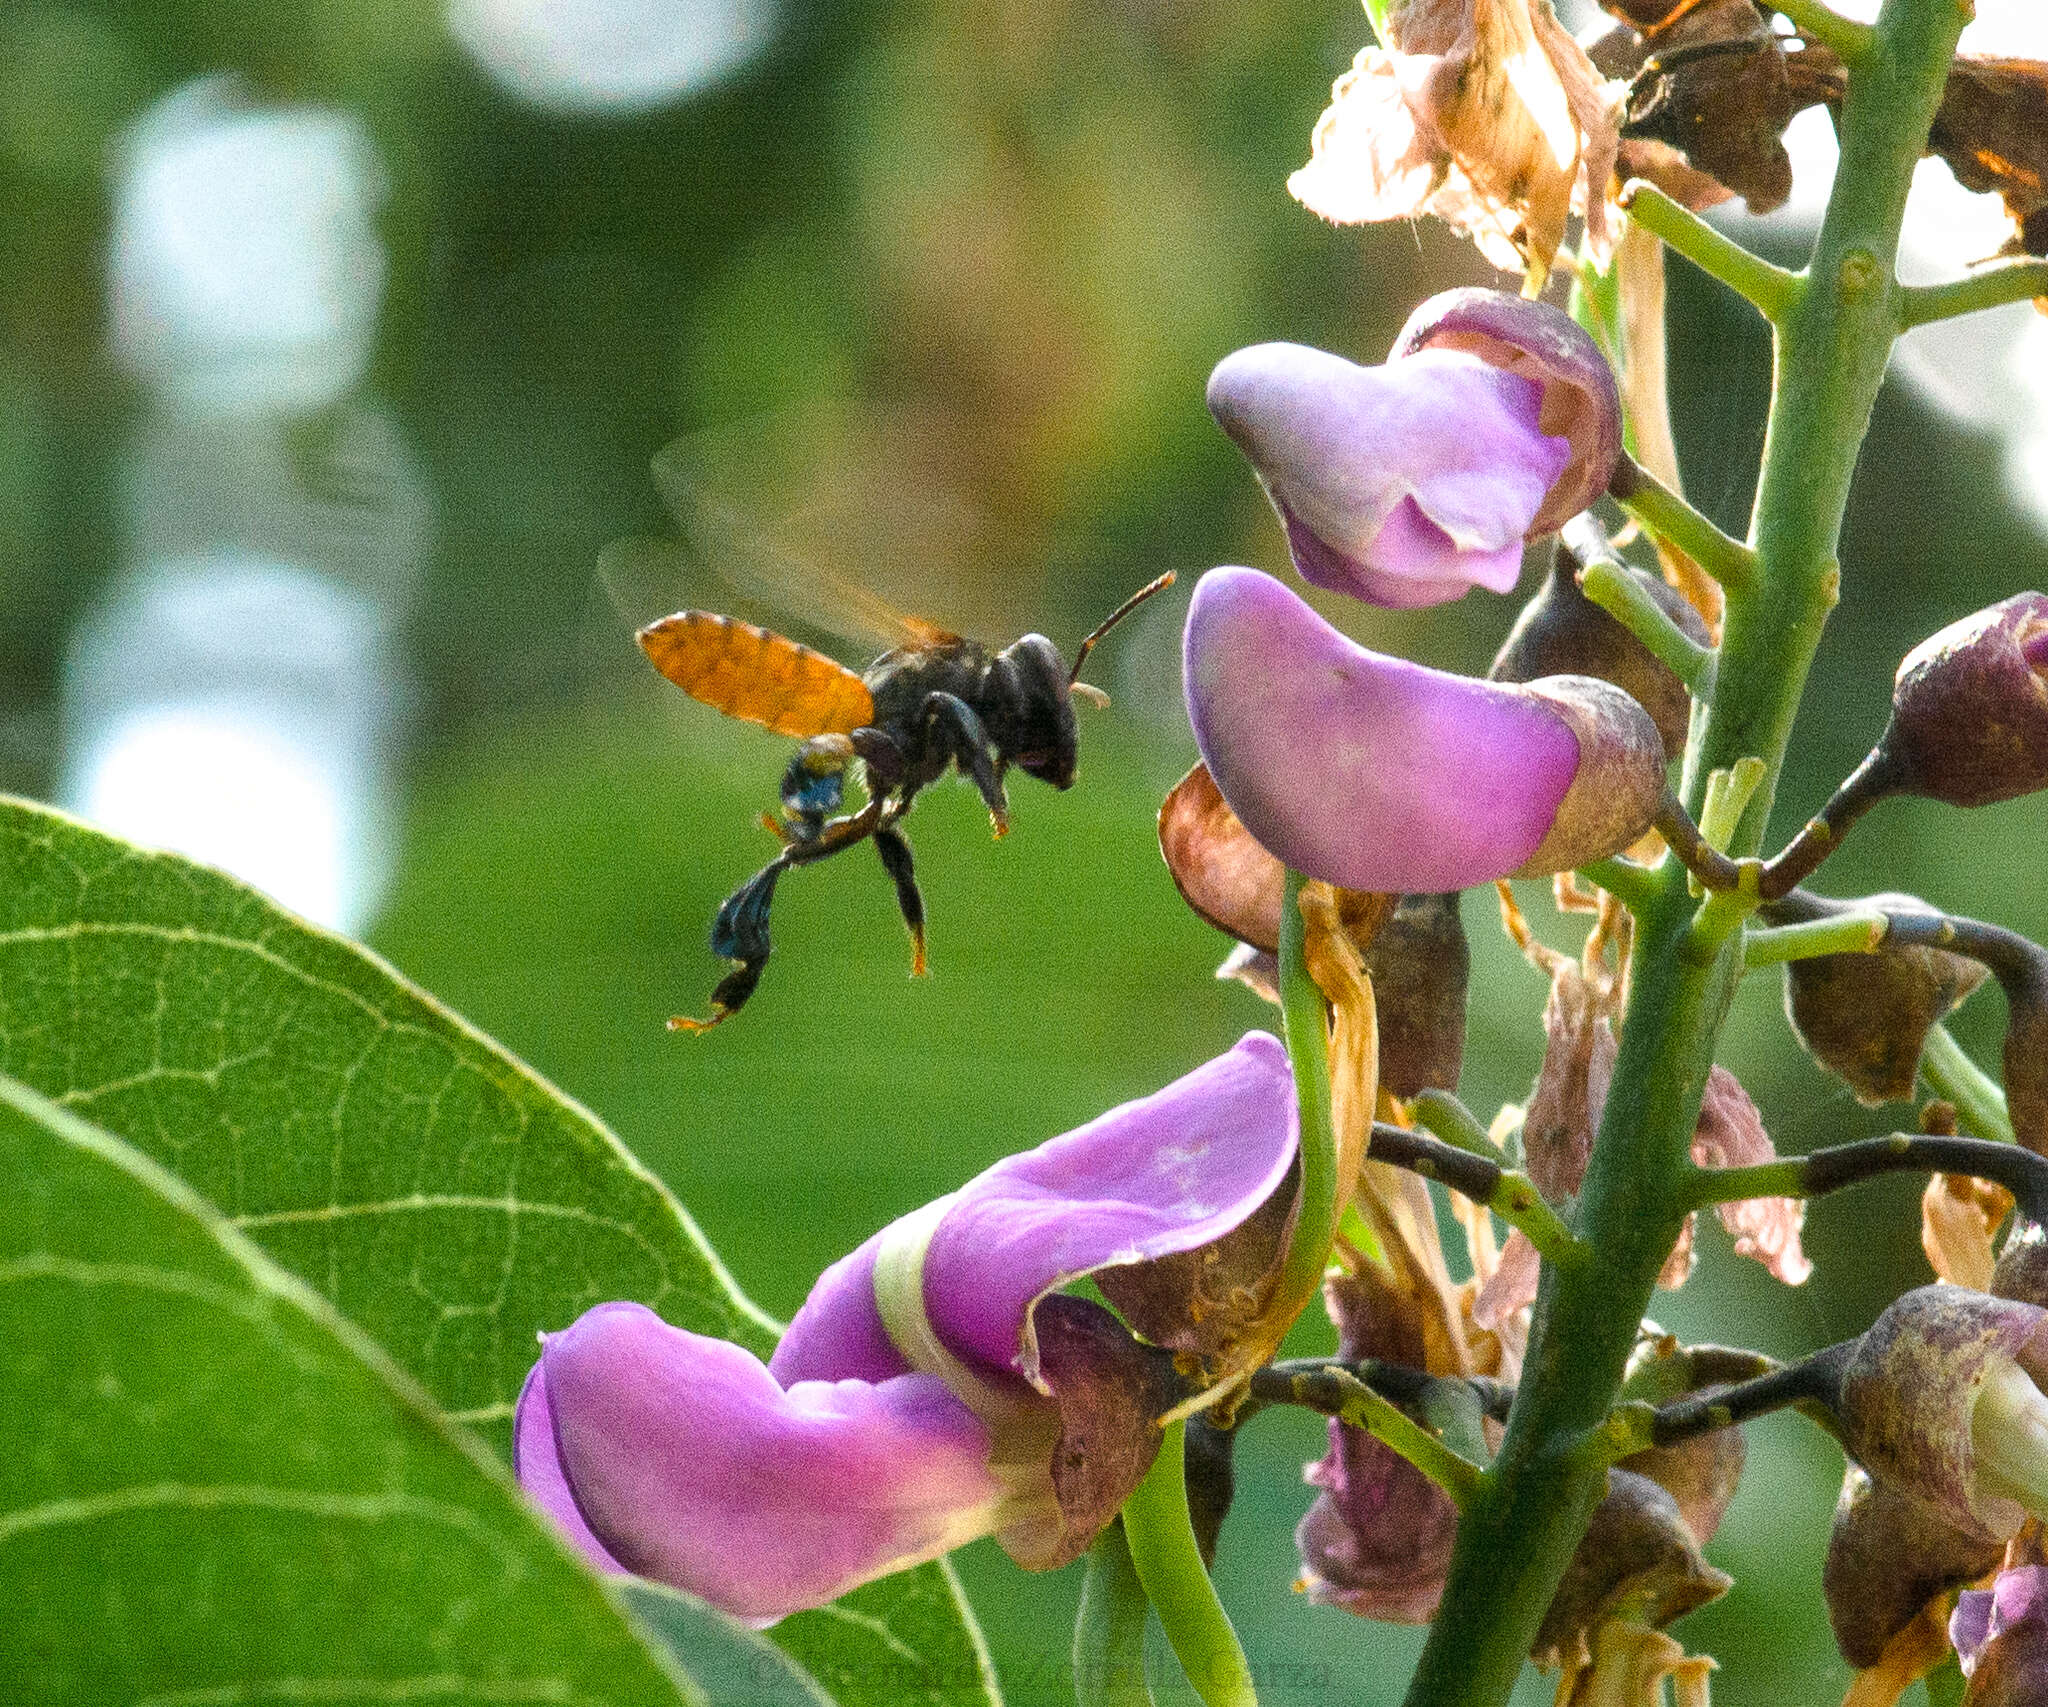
(1005, 1407)
(1494, 420)
(2001, 1638)
(1375, 773)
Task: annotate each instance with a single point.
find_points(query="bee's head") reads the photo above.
(1038, 733)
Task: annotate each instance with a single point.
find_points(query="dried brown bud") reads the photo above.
(1638, 1562)
(1865, 1017)
(1562, 632)
(1220, 870)
(1969, 721)
(1701, 1474)
(1419, 964)
(1941, 1401)
(1888, 1556)
(1992, 129)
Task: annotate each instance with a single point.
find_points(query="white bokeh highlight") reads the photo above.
(609, 58)
(244, 267)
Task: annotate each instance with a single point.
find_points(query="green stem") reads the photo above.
(1992, 287)
(1848, 933)
(1109, 1629)
(1673, 520)
(1169, 1564)
(1819, 1172)
(1634, 886)
(1334, 1391)
(1510, 1195)
(1771, 290)
(1950, 1073)
(1303, 1016)
(1520, 1528)
(1817, 23)
(1623, 597)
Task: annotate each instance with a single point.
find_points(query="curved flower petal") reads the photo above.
(1165, 1174)
(691, 1465)
(1363, 770)
(2001, 1638)
(1403, 485)
(539, 1469)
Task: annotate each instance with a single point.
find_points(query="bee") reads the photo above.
(934, 701)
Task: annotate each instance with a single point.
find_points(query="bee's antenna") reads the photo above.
(1110, 621)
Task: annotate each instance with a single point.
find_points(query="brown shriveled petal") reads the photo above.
(1419, 964)
(1486, 114)
(1378, 1539)
(1638, 1563)
(1677, 1269)
(1110, 1391)
(1992, 129)
(1865, 1017)
(1907, 1658)
(2021, 1271)
(1257, 969)
(1911, 1388)
(1557, 1131)
(1889, 1556)
(1731, 1134)
(1958, 1216)
(1228, 879)
(1714, 88)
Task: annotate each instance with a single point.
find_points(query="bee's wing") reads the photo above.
(753, 673)
(816, 510)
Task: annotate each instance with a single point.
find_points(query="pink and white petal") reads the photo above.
(1731, 1134)
(692, 1466)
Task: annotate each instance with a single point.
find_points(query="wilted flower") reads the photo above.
(1494, 419)
(1942, 1401)
(1865, 1017)
(1377, 774)
(1969, 722)
(1377, 1541)
(873, 1439)
(1702, 1473)
(2001, 1638)
(1483, 112)
(1889, 1556)
(1637, 1569)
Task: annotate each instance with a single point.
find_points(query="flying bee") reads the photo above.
(933, 702)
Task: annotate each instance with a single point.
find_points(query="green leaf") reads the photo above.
(906, 1641)
(217, 1491)
(435, 1190)
(732, 1661)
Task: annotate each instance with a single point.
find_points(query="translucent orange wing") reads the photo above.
(756, 674)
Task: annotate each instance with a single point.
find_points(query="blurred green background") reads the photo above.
(1023, 236)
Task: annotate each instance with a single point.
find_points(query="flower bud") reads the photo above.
(1373, 773)
(1969, 719)
(1637, 1562)
(1420, 964)
(2001, 1638)
(1940, 1399)
(1864, 1017)
(1540, 342)
(1402, 485)
(1562, 632)
(1889, 1554)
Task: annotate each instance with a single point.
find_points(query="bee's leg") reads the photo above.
(970, 745)
(814, 784)
(740, 932)
(884, 759)
(895, 852)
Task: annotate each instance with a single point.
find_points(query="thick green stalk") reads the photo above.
(1533, 1502)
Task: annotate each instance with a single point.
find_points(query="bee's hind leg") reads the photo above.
(740, 932)
(969, 742)
(814, 784)
(895, 852)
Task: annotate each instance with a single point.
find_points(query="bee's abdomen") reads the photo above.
(756, 674)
